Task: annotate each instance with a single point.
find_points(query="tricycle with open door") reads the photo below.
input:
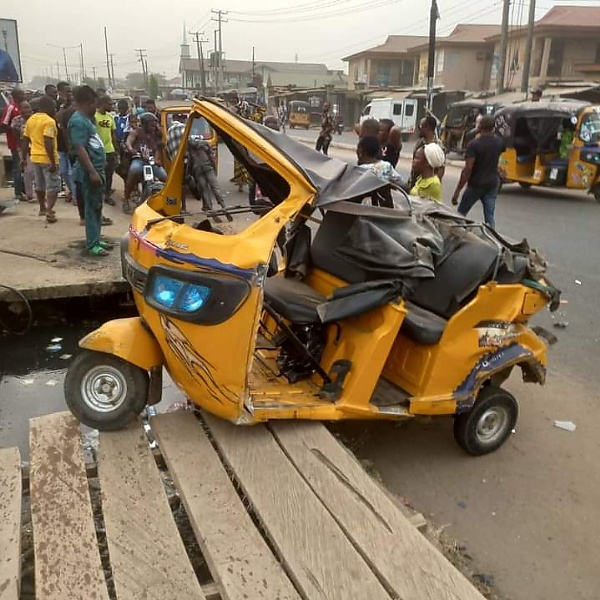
(367, 312)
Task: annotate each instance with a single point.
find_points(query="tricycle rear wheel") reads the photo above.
(105, 392)
(489, 423)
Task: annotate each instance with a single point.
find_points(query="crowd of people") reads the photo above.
(71, 140)
(379, 148)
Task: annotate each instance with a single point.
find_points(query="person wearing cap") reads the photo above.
(427, 160)
(536, 94)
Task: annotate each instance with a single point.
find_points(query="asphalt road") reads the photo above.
(528, 514)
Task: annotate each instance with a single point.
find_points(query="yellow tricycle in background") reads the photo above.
(551, 144)
(324, 307)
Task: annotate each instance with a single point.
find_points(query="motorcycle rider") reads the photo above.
(143, 144)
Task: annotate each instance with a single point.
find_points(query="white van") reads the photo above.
(403, 111)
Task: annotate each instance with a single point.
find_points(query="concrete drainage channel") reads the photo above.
(33, 364)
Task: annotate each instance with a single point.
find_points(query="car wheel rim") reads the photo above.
(104, 388)
(492, 425)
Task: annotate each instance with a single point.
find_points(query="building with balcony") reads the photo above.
(389, 65)
(463, 59)
(566, 47)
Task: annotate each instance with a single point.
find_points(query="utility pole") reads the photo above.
(199, 41)
(501, 76)
(143, 57)
(57, 70)
(216, 64)
(528, 47)
(253, 65)
(82, 75)
(107, 58)
(220, 20)
(434, 15)
(64, 53)
(94, 74)
(112, 69)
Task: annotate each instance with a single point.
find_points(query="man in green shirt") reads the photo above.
(90, 166)
(106, 128)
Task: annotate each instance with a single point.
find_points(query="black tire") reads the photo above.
(524, 185)
(93, 370)
(492, 403)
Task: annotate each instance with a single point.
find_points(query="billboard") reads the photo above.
(10, 59)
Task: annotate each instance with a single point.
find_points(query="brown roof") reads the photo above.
(465, 34)
(395, 44)
(584, 18)
(571, 16)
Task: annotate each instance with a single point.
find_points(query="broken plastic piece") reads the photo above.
(53, 348)
(566, 425)
(56, 340)
(561, 324)
(65, 356)
(27, 381)
(578, 282)
(52, 382)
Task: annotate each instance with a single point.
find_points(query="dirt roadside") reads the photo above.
(528, 514)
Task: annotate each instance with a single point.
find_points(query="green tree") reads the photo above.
(153, 86)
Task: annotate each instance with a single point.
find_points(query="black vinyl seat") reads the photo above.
(422, 326)
(293, 299)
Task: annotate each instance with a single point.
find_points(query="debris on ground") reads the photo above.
(561, 324)
(461, 504)
(53, 348)
(565, 425)
(578, 282)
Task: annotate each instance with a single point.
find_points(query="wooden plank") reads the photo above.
(10, 523)
(405, 560)
(316, 553)
(147, 554)
(239, 559)
(67, 559)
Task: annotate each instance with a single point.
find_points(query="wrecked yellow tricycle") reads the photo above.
(325, 307)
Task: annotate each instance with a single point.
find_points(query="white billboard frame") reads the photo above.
(10, 55)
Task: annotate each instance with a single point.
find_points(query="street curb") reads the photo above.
(74, 290)
(341, 146)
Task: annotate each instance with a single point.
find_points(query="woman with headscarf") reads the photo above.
(241, 176)
(427, 159)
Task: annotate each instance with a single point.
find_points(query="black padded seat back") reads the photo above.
(329, 237)
(457, 277)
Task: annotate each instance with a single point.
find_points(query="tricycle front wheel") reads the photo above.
(105, 392)
(489, 423)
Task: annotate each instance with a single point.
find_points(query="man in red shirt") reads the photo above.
(8, 114)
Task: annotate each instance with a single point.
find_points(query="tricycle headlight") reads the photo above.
(179, 295)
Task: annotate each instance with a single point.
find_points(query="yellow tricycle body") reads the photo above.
(375, 314)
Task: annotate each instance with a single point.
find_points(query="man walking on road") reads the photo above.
(324, 138)
(480, 173)
(427, 135)
(8, 114)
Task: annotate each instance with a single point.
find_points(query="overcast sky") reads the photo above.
(314, 30)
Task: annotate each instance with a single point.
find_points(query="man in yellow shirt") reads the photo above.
(106, 128)
(40, 143)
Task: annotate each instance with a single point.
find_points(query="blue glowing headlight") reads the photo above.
(179, 295)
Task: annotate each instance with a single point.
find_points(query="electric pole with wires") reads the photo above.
(144, 62)
(528, 47)
(501, 76)
(197, 37)
(220, 20)
(434, 15)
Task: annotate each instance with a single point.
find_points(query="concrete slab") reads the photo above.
(48, 260)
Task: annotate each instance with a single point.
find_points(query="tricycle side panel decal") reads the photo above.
(200, 369)
(489, 364)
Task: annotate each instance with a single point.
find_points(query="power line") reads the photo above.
(313, 17)
(293, 9)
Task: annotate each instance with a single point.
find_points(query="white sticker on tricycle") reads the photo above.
(493, 334)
